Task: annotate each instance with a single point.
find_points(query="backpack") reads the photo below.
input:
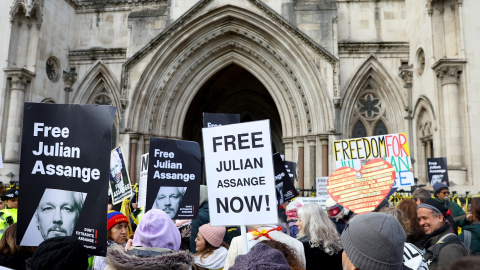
(445, 240)
(467, 240)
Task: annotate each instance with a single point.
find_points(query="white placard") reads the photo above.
(142, 185)
(307, 200)
(322, 192)
(240, 177)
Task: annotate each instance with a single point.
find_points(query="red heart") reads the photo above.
(362, 191)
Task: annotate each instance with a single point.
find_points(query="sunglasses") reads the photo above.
(445, 192)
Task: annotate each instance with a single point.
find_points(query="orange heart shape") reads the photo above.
(362, 191)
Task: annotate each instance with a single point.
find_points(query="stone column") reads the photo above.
(300, 164)
(406, 73)
(324, 141)
(312, 142)
(69, 78)
(288, 143)
(448, 71)
(146, 143)
(133, 158)
(18, 80)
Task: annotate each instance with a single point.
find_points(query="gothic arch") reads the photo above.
(220, 37)
(373, 73)
(424, 134)
(99, 77)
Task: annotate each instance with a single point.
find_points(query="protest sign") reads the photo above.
(219, 119)
(307, 200)
(291, 169)
(64, 167)
(1, 158)
(174, 174)
(393, 148)
(142, 185)
(362, 191)
(283, 184)
(437, 170)
(240, 176)
(119, 177)
(322, 193)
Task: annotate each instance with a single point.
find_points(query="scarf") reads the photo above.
(433, 234)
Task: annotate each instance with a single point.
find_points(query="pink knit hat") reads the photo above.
(291, 210)
(213, 235)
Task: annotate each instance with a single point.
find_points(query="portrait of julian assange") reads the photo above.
(168, 199)
(56, 215)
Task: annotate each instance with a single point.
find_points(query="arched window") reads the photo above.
(103, 98)
(369, 114)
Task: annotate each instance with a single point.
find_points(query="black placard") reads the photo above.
(174, 176)
(291, 169)
(64, 171)
(120, 185)
(437, 170)
(219, 119)
(283, 183)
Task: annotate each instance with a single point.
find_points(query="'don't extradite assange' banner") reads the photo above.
(393, 148)
(64, 172)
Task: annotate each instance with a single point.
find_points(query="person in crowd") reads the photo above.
(319, 237)
(292, 217)
(420, 195)
(412, 256)
(263, 257)
(117, 228)
(260, 233)
(466, 263)
(11, 254)
(287, 252)
(63, 252)
(155, 245)
(415, 233)
(442, 245)
(8, 216)
(203, 218)
(373, 241)
(2, 204)
(211, 249)
(337, 214)
(441, 193)
(471, 233)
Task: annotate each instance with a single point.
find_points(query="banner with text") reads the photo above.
(322, 193)
(64, 172)
(174, 174)
(393, 148)
(240, 175)
(283, 184)
(219, 119)
(437, 171)
(119, 177)
(142, 184)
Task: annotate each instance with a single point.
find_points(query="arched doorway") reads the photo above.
(233, 90)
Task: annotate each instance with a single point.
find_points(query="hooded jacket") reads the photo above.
(475, 243)
(148, 258)
(456, 211)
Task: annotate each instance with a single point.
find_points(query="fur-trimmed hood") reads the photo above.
(118, 259)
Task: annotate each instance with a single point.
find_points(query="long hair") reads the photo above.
(409, 208)
(476, 209)
(400, 216)
(319, 228)
(8, 243)
(288, 252)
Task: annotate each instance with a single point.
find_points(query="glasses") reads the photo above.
(445, 192)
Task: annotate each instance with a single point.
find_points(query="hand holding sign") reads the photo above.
(362, 191)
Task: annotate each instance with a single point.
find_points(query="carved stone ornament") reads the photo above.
(69, 78)
(31, 8)
(19, 78)
(449, 70)
(406, 76)
(52, 68)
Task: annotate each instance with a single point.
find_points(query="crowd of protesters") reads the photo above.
(420, 233)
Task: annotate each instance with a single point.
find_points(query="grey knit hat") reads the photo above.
(437, 187)
(374, 241)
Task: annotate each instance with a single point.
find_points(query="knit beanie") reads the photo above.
(64, 252)
(333, 208)
(374, 241)
(156, 229)
(291, 211)
(435, 206)
(261, 257)
(437, 187)
(213, 235)
(115, 217)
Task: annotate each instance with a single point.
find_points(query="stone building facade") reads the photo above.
(320, 70)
